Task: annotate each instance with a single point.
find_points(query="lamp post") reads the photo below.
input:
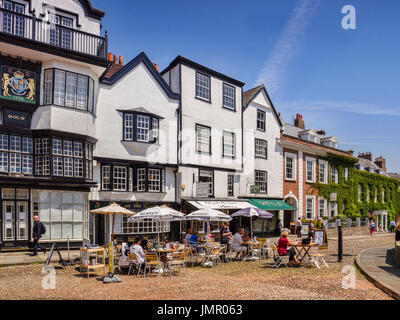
(340, 242)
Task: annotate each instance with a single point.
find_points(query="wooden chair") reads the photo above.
(134, 262)
(319, 254)
(152, 260)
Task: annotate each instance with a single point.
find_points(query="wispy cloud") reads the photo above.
(287, 47)
(363, 108)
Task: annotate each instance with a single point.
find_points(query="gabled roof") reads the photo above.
(329, 139)
(310, 131)
(182, 60)
(249, 96)
(110, 77)
(92, 11)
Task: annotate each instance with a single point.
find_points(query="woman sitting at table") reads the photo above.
(137, 249)
(195, 240)
(283, 243)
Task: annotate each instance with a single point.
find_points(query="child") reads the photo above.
(372, 228)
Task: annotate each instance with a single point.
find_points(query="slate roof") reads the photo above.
(394, 175)
(367, 164)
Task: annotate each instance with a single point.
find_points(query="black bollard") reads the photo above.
(340, 243)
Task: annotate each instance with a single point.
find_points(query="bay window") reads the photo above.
(140, 127)
(68, 89)
(16, 154)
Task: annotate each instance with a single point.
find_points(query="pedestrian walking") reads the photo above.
(39, 230)
(392, 226)
(372, 228)
(398, 231)
(299, 227)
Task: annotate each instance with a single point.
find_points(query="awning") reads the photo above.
(266, 204)
(221, 205)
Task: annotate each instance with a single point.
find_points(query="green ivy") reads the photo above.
(372, 185)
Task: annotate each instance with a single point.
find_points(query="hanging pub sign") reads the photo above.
(18, 85)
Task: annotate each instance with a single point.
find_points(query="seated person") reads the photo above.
(187, 237)
(283, 243)
(195, 240)
(144, 245)
(237, 243)
(169, 246)
(137, 249)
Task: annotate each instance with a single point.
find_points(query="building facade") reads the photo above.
(52, 55)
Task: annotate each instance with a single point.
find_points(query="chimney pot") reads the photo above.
(110, 57)
(299, 122)
(156, 66)
(321, 132)
(115, 59)
(121, 60)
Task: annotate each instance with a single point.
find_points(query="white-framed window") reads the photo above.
(228, 140)
(155, 129)
(119, 178)
(141, 180)
(261, 120)
(334, 174)
(15, 143)
(261, 148)
(230, 185)
(290, 166)
(143, 128)
(105, 177)
(323, 171)
(78, 150)
(148, 226)
(310, 207)
(130, 182)
(346, 174)
(78, 168)
(333, 209)
(154, 182)
(368, 195)
(376, 195)
(310, 170)
(383, 194)
(68, 150)
(323, 207)
(203, 86)
(203, 139)
(57, 147)
(58, 166)
(3, 142)
(359, 192)
(128, 126)
(68, 167)
(15, 163)
(3, 162)
(261, 180)
(229, 96)
(207, 177)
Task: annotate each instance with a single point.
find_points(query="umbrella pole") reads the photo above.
(251, 226)
(110, 258)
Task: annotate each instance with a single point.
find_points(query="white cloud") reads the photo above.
(286, 48)
(363, 108)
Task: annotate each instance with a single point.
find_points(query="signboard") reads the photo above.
(202, 189)
(333, 196)
(255, 189)
(16, 119)
(18, 85)
(320, 237)
(221, 205)
(305, 229)
(134, 206)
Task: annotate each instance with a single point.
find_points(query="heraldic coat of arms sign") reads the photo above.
(18, 85)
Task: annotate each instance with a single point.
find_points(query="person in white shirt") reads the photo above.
(237, 244)
(137, 249)
(187, 238)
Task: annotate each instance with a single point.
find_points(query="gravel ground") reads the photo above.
(236, 281)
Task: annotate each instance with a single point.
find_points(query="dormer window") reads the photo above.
(329, 142)
(141, 127)
(309, 135)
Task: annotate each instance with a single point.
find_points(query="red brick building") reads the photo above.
(302, 167)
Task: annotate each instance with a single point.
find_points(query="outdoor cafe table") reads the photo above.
(303, 251)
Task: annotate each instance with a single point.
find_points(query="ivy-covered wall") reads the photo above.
(373, 187)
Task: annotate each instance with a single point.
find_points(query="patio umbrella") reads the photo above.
(159, 214)
(207, 214)
(253, 212)
(113, 209)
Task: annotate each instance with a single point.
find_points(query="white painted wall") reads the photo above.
(274, 164)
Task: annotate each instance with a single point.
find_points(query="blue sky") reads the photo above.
(343, 81)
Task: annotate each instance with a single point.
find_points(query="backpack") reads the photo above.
(42, 228)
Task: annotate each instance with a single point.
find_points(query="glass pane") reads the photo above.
(56, 230)
(44, 196)
(56, 211)
(78, 230)
(8, 193)
(67, 197)
(55, 197)
(67, 230)
(79, 197)
(22, 194)
(44, 213)
(67, 212)
(78, 212)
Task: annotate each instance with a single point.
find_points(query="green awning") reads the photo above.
(266, 204)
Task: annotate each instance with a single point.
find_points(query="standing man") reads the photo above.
(38, 230)
(225, 237)
(299, 227)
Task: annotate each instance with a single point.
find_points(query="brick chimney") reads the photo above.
(321, 132)
(299, 122)
(367, 156)
(381, 163)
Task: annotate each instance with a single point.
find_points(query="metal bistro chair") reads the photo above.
(134, 262)
(179, 260)
(212, 254)
(319, 254)
(152, 260)
(279, 260)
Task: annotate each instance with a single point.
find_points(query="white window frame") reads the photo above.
(325, 207)
(333, 205)
(294, 169)
(226, 136)
(203, 92)
(312, 209)
(313, 162)
(331, 168)
(326, 169)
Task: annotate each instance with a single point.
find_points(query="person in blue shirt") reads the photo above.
(194, 239)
